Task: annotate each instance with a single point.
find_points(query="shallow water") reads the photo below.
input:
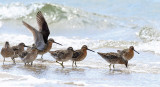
(102, 25)
(93, 71)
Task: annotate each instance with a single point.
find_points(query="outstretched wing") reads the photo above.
(43, 27)
(38, 38)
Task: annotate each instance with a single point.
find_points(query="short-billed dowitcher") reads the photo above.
(41, 36)
(48, 47)
(29, 56)
(20, 48)
(127, 54)
(8, 51)
(113, 58)
(62, 55)
(80, 54)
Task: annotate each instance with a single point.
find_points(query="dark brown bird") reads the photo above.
(127, 53)
(113, 58)
(80, 55)
(41, 36)
(62, 55)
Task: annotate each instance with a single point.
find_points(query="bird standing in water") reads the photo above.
(62, 55)
(29, 56)
(80, 54)
(8, 51)
(113, 58)
(41, 36)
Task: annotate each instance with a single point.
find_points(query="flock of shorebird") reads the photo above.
(43, 45)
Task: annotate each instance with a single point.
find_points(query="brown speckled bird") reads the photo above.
(80, 55)
(29, 56)
(62, 55)
(113, 58)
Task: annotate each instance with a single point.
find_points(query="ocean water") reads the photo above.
(102, 25)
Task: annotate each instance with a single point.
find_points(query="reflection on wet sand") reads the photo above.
(43, 60)
(78, 69)
(37, 68)
(8, 66)
(118, 71)
(75, 84)
(69, 70)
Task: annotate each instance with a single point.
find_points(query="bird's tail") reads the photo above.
(101, 54)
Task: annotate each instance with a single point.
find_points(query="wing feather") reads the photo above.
(38, 38)
(43, 27)
(76, 54)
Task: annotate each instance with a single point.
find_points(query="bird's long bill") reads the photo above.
(58, 43)
(90, 50)
(26, 46)
(136, 51)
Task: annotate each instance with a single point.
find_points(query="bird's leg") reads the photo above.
(58, 62)
(62, 64)
(113, 66)
(75, 64)
(42, 56)
(13, 60)
(110, 66)
(3, 60)
(72, 63)
(31, 63)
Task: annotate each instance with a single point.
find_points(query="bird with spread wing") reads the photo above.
(41, 36)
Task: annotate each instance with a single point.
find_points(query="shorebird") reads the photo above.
(127, 54)
(41, 36)
(8, 51)
(29, 56)
(62, 55)
(113, 58)
(20, 48)
(48, 47)
(80, 54)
